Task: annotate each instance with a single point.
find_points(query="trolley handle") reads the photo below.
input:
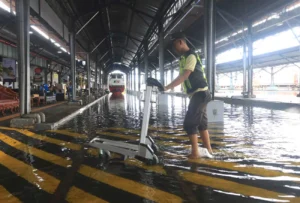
(154, 83)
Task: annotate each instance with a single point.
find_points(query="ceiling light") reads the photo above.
(63, 49)
(59, 52)
(52, 40)
(40, 32)
(30, 32)
(56, 44)
(83, 63)
(4, 7)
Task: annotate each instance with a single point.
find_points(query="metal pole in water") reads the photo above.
(73, 64)
(210, 14)
(245, 68)
(27, 56)
(250, 67)
(88, 66)
(21, 54)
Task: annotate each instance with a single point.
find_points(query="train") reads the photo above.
(116, 83)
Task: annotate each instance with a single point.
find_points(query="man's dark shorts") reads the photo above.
(196, 117)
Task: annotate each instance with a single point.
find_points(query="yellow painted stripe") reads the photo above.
(6, 197)
(76, 195)
(235, 167)
(34, 151)
(131, 137)
(32, 175)
(69, 133)
(70, 145)
(230, 186)
(129, 185)
(140, 164)
(46, 139)
(243, 168)
(184, 138)
(85, 169)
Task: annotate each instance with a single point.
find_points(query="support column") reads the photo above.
(250, 56)
(272, 76)
(209, 21)
(139, 73)
(23, 46)
(96, 74)
(73, 64)
(88, 67)
(146, 62)
(100, 76)
(245, 69)
(155, 73)
(161, 52)
(135, 65)
(172, 74)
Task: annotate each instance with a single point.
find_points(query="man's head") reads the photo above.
(179, 43)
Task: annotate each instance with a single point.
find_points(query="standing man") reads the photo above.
(194, 81)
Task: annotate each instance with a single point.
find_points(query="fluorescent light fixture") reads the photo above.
(59, 52)
(52, 40)
(30, 32)
(14, 12)
(40, 32)
(69, 53)
(274, 16)
(56, 44)
(83, 63)
(4, 7)
(63, 49)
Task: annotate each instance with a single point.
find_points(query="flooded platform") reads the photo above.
(256, 158)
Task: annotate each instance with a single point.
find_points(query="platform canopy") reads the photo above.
(117, 30)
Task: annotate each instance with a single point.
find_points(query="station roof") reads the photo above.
(124, 25)
(121, 27)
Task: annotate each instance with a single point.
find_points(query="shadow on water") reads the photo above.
(256, 151)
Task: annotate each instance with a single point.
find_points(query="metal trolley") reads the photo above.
(146, 148)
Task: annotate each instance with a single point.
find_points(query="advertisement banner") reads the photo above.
(9, 70)
(38, 77)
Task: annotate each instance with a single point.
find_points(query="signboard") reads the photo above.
(38, 77)
(9, 70)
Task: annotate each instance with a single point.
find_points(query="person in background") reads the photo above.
(193, 78)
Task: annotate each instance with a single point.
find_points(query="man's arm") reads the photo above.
(180, 79)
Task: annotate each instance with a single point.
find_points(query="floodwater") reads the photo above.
(257, 157)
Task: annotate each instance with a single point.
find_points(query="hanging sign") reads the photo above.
(38, 77)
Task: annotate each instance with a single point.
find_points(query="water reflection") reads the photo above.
(257, 149)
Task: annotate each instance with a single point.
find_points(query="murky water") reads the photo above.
(257, 157)
(257, 153)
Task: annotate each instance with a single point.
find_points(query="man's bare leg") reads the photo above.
(206, 140)
(195, 149)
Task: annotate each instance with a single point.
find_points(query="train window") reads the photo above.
(120, 76)
(113, 76)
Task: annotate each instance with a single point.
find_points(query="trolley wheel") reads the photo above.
(104, 155)
(153, 161)
(155, 148)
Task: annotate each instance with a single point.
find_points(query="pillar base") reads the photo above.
(35, 116)
(43, 126)
(22, 122)
(78, 102)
